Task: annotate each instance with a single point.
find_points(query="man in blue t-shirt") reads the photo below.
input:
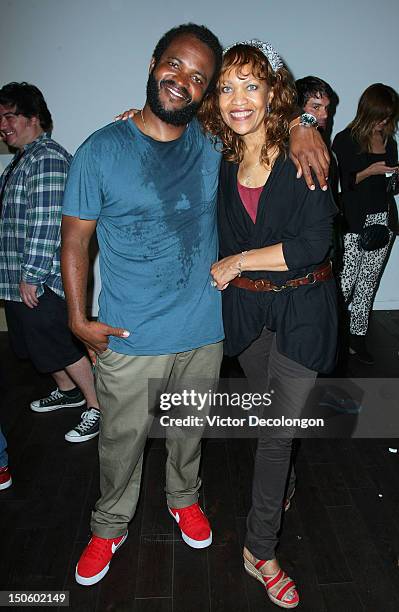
(148, 187)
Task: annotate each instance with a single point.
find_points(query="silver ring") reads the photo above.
(213, 283)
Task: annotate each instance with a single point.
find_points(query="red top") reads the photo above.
(250, 198)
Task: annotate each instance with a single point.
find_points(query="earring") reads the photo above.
(268, 109)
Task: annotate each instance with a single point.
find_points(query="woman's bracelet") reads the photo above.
(240, 262)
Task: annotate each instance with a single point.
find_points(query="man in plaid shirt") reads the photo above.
(31, 192)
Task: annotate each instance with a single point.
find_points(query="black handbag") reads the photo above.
(393, 184)
(376, 236)
(373, 237)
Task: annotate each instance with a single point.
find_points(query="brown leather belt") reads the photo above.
(324, 272)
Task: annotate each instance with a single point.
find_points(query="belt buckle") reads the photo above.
(311, 278)
(260, 283)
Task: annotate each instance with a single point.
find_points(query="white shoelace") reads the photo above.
(89, 418)
(54, 395)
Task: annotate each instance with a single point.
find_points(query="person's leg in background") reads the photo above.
(42, 335)
(351, 262)
(75, 387)
(372, 263)
(81, 375)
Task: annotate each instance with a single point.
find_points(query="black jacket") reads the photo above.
(304, 318)
(370, 195)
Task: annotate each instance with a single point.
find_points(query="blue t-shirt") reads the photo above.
(155, 206)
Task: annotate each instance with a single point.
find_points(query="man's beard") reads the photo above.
(175, 117)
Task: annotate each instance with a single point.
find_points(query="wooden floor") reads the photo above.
(340, 539)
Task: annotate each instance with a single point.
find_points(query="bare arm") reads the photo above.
(308, 150)
(373, 170)
(76, 235)
(269, 258)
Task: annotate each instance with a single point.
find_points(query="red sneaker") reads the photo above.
(5, 478)
(194, 526)
(95, 559)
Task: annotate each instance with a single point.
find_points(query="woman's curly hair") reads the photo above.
(276, 121)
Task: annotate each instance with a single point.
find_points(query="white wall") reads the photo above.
(90, 57)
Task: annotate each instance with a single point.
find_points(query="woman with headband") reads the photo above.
(279, 300)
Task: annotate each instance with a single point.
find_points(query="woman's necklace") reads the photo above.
(248, 172)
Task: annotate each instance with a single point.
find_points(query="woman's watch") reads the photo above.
(306, 120)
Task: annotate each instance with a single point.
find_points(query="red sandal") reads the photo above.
(287, 501)
(286, 596)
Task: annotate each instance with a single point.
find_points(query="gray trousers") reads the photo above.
(274, 476)
(122, 390)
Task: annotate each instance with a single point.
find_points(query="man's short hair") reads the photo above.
(203, 34)
(312, 87)
(29, 101)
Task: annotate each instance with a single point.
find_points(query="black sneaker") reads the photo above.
(57, 399)
(357, 348)
(88, 427)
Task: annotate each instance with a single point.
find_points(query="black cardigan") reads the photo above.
(370, 195)
(305, 318)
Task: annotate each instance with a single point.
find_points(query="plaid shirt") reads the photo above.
(30, 224)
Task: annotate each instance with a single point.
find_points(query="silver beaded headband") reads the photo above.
(267, 49)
